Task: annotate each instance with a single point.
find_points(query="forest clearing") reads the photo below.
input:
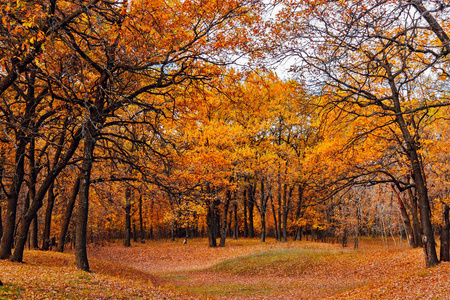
(248, 128)
(245, 269)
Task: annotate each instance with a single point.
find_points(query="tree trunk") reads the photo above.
(356, 243)
(34, 229)
(32, 194)
(263, 212)
(127, 240)
(141, 222)
(280, 207)
(226, 206)
(417, 231)
(48, 218)
(230, 221)
(7, 240)
(278, 226)
(274, 213)
(344, 238)
(236, 225)
(298, 234)
(405, 218)
(286, 206)
(2, 162)
(210, 217)
(428, 240)
(172, 231)
(1, 220)
(445, 236)
(68, 214)
(245, 213)
(135, 235)
(251, 205)
(81, 258)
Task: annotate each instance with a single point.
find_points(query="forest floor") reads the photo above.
(244, 269)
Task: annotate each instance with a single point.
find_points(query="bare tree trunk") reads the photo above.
(34, 229)
(280, 207)
(127, 240)
(356, 244)
(286, 207)
(417, 231)
(67, 215)
(1, 220)
(172, 231)
(262, 210)
(298, 234)
(236, 225)
(48, 218)
(7, 240)
(230, 221)
(405, 218)
(245, 213)
(419, 178)
(2, 162)
(344, 238)
(274, 213)
(141, 222)
(211, 220)
(81, 258)
(225, 219)
(445, 236)
(251, 205)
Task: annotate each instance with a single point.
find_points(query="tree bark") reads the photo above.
(68, 214)
(287, 196)
(37, 200)
(236, 225)
(141, 222)
(274, 213)
(417, 231)
(81, 258)
(263, 209)
(34, 229)
(251, 205)
(226, 206)
(405, 218)
(1, 220)
(298, 234)
(428, 241)
(127, 239)
(7, 240)
(356, 243)
(245, 213)
(211, 220)
(425, 211)
(279, 197)
(48, 218)
(445, 236)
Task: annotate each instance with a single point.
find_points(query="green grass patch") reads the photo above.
(9, 291)
(289, 261)
(177, 278)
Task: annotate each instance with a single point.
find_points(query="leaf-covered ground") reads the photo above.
(244, 269)
(52, 275)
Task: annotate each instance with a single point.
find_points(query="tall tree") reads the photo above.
(374, 60)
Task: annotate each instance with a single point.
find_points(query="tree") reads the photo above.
(373, 58)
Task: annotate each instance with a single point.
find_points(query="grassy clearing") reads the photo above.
(245, 269)
(288, 262)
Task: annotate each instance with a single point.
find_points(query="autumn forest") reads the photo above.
(141, 121)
